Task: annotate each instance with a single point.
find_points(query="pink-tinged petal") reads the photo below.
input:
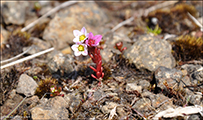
(90, 35)
(94, 45)
(85, 53)
(87, 35)
(97, 44)
(84, 45)
(97, 38)
(74, 47)
(86, 42)
(76, 39)
(77, 53)
(78, 43)
(76, 33)
(83, 30)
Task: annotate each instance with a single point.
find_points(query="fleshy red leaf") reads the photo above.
(93, 69)
(93, 76)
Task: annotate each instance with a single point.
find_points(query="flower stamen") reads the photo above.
(82, 37)
(80, 48)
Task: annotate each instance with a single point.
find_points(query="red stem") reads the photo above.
(94, 53)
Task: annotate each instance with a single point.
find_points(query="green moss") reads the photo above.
(38, 30)
(44, 86)
(187, 48)
(156, 31)
(23, 35)
(184, 8)
(16, 41)
(37, 6)
(172, 20)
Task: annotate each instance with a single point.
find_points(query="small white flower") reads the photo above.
(80, 36)
(53, 89)
(79, 49)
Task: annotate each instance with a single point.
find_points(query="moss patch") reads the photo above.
(187, 48)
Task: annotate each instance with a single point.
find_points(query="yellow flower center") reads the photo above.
(53, 90)
(80, 48)
(82, 37)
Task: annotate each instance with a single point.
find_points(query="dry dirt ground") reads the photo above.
(159, 75)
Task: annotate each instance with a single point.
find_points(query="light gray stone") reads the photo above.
(108, 107)
(14, 12)
(73, 101)
(10, 104)
(170, 77)
(26, 85)
(58, 62)
(54, 108)
(150, 52)
(144, 83)
(133, 87)
(61, 27)
(142, 106)
(192, 70)
(196, 99)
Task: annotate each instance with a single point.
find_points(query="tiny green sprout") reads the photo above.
(157, 30)
(35, 77)
(37, 6)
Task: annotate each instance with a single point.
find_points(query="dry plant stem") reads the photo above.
(162, 103)
(149, 104)
(123, 23)
(139, 113)
(17, 56)
(44, 96)
(76, 82)
(105, 96)
(112, 113)
(195, 62)
(158, 6)
(27, 58)
(65, 4)
(196, 21)
(200, 69)
(145, 13)
(14, 109)
(133, 101)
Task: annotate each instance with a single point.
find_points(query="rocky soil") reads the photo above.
(158, 76)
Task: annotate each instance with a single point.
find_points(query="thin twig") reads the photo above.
(76, 82)
(195, 62)
(105, 96)
(65, 4)
(113, 112)
(158, 6)
(196, 21)
(134, 100)
(123, 23)
(162, 103)
(149, 105)
(27, 58)
(139, 113)
(14, 109)
(17, 56)
(145, 13)
(200, 69)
